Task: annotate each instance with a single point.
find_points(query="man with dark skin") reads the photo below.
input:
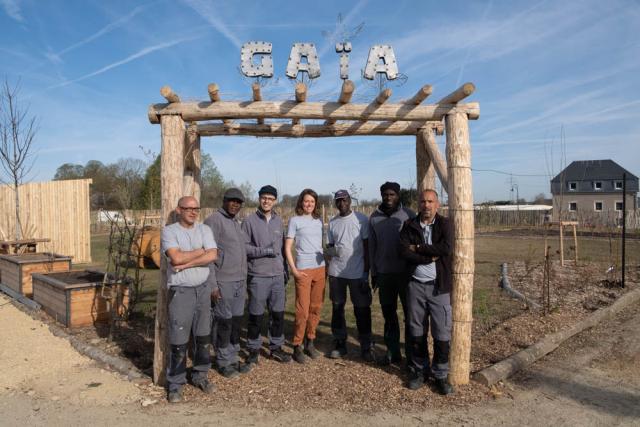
(349, 268)
(231, 277)
(426, 244)
(388, 268)
(190, 248)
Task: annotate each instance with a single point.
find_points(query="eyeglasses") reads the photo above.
(268, 199)
(196, 210)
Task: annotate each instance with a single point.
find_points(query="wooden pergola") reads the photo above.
(183, 123)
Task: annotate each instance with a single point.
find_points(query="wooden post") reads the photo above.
(439, 164)
(575, 241)
(426, 173)
(171, 176)
(257, 97)
(191, 179)
(461, 214)
(561, 244)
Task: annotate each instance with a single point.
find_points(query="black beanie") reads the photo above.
(393, 186)
(268, 189)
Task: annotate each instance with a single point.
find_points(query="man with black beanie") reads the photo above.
(388, 268)
(266, 281)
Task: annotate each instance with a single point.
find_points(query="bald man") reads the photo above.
(190, 249)
(426, 245)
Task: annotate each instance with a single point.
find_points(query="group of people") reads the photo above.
(213, 266)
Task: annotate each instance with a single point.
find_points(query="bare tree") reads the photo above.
(17, 132)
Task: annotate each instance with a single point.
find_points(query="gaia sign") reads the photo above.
(256, 60)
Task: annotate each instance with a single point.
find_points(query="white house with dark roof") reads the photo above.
(591, 189)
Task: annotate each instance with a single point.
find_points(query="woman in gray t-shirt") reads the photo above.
(305, 229)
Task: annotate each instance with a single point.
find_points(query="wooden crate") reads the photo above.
(74, 298)
(16, 270)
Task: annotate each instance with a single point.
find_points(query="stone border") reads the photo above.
(512, 364)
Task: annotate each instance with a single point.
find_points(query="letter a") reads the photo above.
(388, 67)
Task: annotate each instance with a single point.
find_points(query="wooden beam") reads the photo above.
(169, 94)
(171, 181)
(316, 131)
(345, 96)
(197, 111)
(421, 95)
(461, 214)
(301, 96)
(383, 96)
(459, 94)
(429, 143)
(257, 96)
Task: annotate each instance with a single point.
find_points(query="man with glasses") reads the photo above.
(231, 276)
(266, 283)
(190, 248)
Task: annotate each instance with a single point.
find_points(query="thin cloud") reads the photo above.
(139, 54)
(12, 8)
(56, 57)
(209, 14)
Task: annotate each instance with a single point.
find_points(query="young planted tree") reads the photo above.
(17, 132)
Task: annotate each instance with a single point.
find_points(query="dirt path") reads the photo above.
(594, 379)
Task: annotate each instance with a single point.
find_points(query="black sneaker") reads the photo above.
(205, 386)
(311, 351)
(416, 380)
(279, 355)
(368, 355)
(443, 386)
(388, 359)
(228, 371)
(252, 359)
(243, 368)
(174, 396)
(339, 351)
(298, 355)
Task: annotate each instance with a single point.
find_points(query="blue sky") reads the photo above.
(556, 81)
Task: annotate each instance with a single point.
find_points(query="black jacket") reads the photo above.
(441, 247)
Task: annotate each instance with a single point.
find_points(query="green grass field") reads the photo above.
(490, 306)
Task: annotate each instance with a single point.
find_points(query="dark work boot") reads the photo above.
(416, 380)
(367, 354)
(252, 359)
(310, 350)
(298, 355)
(339, 351)
(443, 386)
(174, 396)
(243, 368)
(279, 355)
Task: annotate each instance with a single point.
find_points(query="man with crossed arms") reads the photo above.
(190, 248)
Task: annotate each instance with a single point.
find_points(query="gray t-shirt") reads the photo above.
(199, 236)
(307, 232)
(347, 233)
(426, 272)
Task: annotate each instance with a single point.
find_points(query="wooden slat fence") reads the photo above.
(57, 210)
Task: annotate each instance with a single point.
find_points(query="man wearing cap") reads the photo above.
(190, 248)
(388, 268)
(266, 283)
(231, 276)
(426, 244)
(347, 248)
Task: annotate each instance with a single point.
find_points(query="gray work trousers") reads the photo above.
(189, 313)
(266, 291)
(360, 293)
(426, 306)
(227, 315)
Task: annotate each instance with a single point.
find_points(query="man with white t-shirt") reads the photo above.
(349, 268)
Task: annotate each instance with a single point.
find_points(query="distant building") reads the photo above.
(591, 189)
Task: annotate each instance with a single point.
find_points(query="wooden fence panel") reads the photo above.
(57, 210)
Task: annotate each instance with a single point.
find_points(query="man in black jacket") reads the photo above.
(426, 245)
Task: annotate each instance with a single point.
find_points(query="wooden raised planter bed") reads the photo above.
(16, 270)
(74, 298)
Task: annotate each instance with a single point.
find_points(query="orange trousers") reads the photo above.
(309, 299)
